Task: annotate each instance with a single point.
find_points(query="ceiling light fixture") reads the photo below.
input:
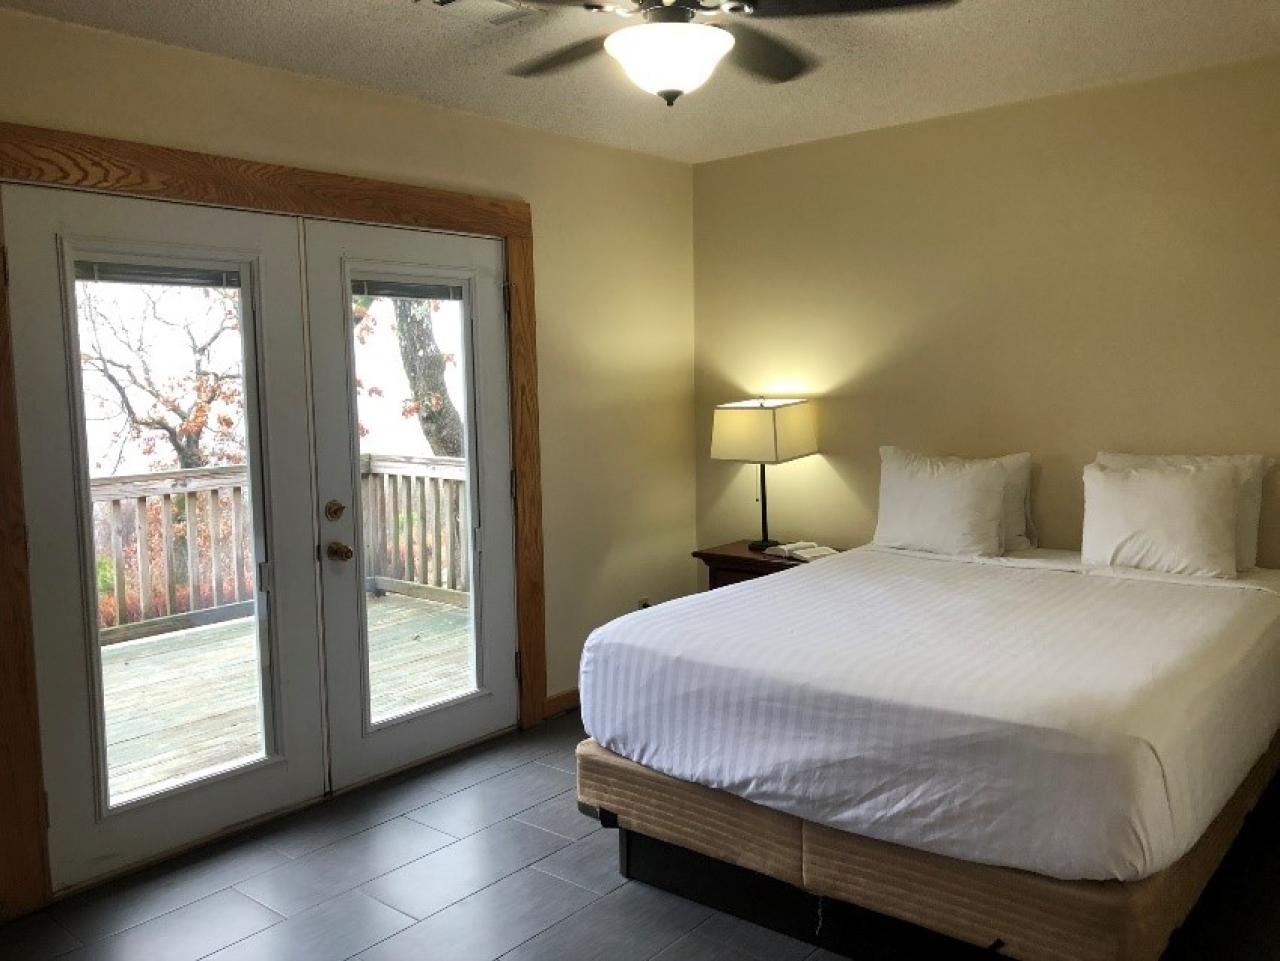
(669, 59)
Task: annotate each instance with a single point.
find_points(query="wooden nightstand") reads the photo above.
(733, 563)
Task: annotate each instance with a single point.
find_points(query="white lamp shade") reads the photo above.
(669, 59)
(767, 431)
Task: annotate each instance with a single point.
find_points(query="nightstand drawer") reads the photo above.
(735, 563)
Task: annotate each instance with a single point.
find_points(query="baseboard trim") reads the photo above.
(560, 703)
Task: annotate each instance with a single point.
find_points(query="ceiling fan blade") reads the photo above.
(599, 6)
(766, 57)
(560, 59)
(771, 9)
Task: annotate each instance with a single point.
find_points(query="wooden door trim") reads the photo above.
(24, 868)
(526, 459)
(55, 158)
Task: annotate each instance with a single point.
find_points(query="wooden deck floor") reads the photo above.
(186, 704)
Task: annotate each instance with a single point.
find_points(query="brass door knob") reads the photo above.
(334, 509)
(338, 551)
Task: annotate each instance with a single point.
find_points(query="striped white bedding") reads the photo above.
(1018, 711)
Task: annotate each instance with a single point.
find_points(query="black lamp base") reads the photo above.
(765, 541)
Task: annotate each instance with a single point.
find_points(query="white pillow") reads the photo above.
(1017, 533)
(1250, 470)
(1016, 530)
(1178, 520)
(940, 504)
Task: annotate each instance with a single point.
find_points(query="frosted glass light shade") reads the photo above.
(669, 59)
(766, 431)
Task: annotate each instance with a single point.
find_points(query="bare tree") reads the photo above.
(425, 365)
(187, 408)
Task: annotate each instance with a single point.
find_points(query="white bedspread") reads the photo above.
(1018, 711)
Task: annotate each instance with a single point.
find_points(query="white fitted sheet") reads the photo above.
(1019, 711)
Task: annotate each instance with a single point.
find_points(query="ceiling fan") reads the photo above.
(672, 53)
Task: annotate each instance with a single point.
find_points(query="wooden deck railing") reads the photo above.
(170, 545)
(415, 521)
(173, 548)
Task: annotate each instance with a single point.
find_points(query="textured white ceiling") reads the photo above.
(877, 70)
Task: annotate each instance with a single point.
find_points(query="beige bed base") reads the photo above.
(1035, 917)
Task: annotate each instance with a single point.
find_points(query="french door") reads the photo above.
(414, 467)
(269, 549)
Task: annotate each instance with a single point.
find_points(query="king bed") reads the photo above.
(1017, 751)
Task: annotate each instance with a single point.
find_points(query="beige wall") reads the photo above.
(1095, 270)
(613, 249)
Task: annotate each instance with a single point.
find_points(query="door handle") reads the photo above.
(338, 551)
(334, 509)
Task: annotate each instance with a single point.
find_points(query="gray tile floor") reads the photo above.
(485, 856)
(481, 856)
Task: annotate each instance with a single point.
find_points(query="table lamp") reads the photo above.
(764, 431)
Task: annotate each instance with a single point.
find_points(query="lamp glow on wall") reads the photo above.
(764, 431)
(669, 59)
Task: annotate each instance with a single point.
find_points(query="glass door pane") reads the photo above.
(166, 411)
(409, 358)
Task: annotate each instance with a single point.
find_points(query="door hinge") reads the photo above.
(519, 668)
(506, 299)
(4, 267)
(513, 483)
(264, 577)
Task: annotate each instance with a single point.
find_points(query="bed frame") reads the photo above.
(827, 886)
